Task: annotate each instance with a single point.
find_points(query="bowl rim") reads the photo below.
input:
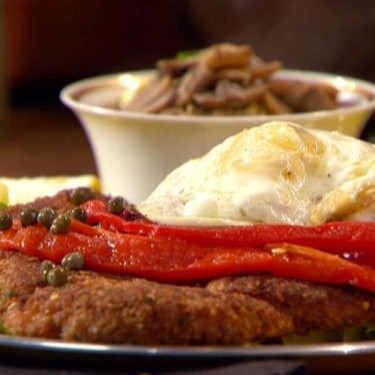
(68, 96)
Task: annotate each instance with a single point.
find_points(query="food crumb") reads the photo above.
(278, 251)
(54, 296)
(366, 305)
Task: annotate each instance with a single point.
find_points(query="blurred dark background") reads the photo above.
(45, 44)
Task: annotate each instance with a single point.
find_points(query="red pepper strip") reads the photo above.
(177, 261)
(351, 240)
(98, 214)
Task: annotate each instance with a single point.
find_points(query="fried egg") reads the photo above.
(275, 173)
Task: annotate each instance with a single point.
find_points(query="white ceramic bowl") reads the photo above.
(135, 151)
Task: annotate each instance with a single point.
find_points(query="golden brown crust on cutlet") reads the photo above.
(312, 306)
(102, 308)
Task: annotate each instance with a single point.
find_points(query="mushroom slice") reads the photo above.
(255, 92)
(226, 55)
(275, 106)
(149, 93)
(262, 70)
(163, 101)
(176, 67)
(193, 81)
(316, 99)
(209, 100)
(295, 94)
(229, 95)
(228, 89)
(243, 76)
(280, 87)
(234, 91)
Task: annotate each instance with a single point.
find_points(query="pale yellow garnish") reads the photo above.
(3, 194)
(26, 189)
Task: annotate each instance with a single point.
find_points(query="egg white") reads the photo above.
(275, 173)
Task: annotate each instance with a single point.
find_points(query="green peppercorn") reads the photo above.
(81, 195)
(45, 267)
(57, 276)
(5, 222)
(61, 224)
(28, 217)
(79, 214)
(116, 205)
(73, 261)
(46, 217)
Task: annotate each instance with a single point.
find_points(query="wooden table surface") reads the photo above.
(48, 141)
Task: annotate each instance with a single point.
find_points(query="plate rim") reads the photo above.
(249, 352)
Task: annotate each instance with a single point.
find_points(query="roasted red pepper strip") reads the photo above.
(98, 213)
(172, 260)
(350, 240)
